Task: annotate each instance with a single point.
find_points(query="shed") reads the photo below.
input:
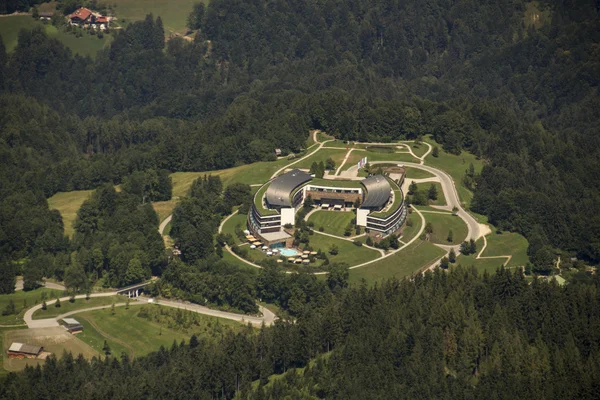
(72, 325)
(21, 350)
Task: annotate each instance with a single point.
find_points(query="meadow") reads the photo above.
(174, 13)
(68, 203)
(348, 253)
(442, 224)
(23, 301)
(87, 45)
(334, 222)
(440, 200)
(79, 304)
(402, 264)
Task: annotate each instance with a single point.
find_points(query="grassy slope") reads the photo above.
(32, 298)
(164, 208)
(455, 166)
(508, 243)
(67, 203)
(323, 155)
(441, 199)
(442, 223)
(348, 252)
(255, 173)
(173, 13)
(85, 45)
(416, 173)
(408, 232)
(401, 264)
(143, 335)
(334, 222)
(79, 304)
(229, 226)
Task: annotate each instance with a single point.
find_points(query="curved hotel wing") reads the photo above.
(381, 201)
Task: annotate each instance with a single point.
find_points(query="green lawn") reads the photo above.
(147, 335)
(416, 173)
(442, 224)
(334, 222)
(348, 252)
(79, 304)
(404, 263)
(340, 144)
(441, 199)
(68, 203)
(95, 340)
(409, 232)
(418, 149)
(23, 301)
(232, 222)
(455, 166)
(322, 155)
(173, 13)
(508, 243)
(85, 45)
(485, 264)
(231, 259)
(259, 172)
(376, 156)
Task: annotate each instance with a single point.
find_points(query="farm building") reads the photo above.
(85, 17)
(72, 325)
(20, 350)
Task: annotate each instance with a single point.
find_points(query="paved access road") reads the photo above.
(267, 318)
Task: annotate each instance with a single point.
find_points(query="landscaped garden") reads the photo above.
(334, 222)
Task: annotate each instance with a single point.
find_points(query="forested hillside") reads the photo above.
(477, 76)
(445, 335)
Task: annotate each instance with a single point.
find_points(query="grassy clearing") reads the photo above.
(79, 304)
(54, 340)
(85, 45)
(232, 222)
(489, 265)
(231, 259)
(145, 335)
(322, 136)
(68, 203)
(23, 301)
(375, 156)
(404, 263)
(334, 222)
(416, 173)
(348, 252)
(95, 340)
(409, 232)
(322, 155)
(455, 166)
(418, 149)
(340, 144)
(442, 224)
(508, 243)
(173, 13)
(441, 199)
(255, 173)
(164, 208)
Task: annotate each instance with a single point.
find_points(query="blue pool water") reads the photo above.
(288, 252)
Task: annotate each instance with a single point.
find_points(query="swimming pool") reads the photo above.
(288, 252)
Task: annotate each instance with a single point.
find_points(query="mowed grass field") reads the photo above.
(442, 224)
(508, 243)
(174, 13)
(68, 203)
(54, 340)
(255, 173)
(79, 304)
(484, 264)
(418, 149)
(144, 335)
(348, 253)
(441, 199)
(455, 166)
(23, 301)
(87, 45)
(334, 222)
(232, 222)
(409, 232)
(402, 264)
(322, 155)
(164, 208)
(416, 173)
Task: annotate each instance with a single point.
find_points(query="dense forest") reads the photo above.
(443, 335)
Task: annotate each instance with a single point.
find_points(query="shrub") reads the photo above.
(357, 243)
(369, 241)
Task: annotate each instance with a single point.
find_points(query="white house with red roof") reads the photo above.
(84, 16)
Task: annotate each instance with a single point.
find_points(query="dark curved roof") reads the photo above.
(278, 192)
(378, 192)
